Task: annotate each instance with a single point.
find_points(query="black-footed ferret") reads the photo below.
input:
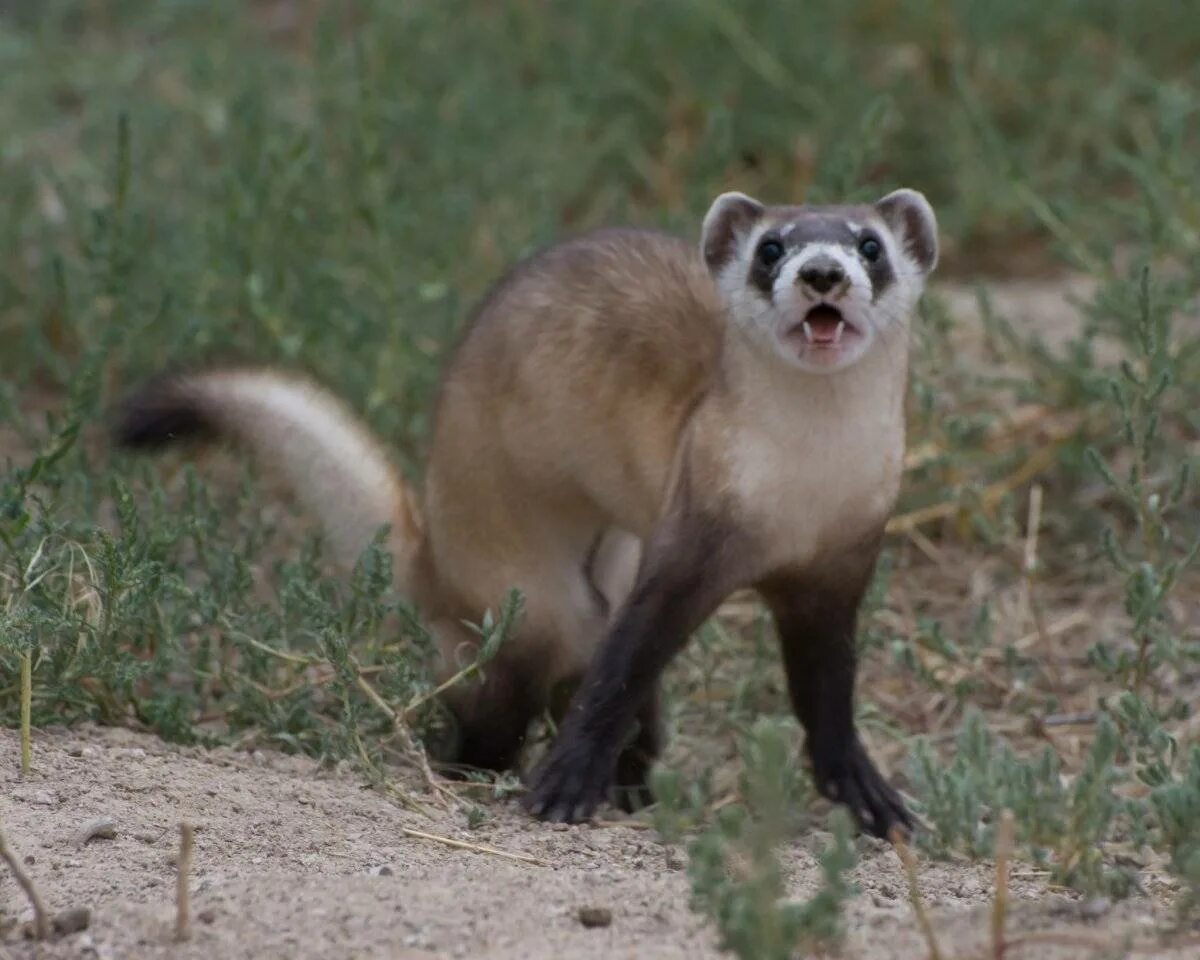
(629, 431)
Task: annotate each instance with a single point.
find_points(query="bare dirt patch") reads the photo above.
(297, 861)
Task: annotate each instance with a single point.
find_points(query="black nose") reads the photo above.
(822, 274)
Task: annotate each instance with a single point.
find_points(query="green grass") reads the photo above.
(332, 187)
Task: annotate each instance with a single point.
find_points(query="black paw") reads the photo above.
(849, 777)
(571, 782)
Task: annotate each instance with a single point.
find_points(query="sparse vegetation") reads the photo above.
(735, 875)
(332, 186)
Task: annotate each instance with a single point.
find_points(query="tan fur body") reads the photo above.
(556, 425)
(574, 418)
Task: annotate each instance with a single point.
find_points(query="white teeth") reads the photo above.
(837, 334)
(808, 334)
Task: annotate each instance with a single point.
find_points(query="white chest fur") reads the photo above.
(815, 461)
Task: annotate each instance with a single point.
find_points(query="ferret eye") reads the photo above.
(870, 248)
(769, 252)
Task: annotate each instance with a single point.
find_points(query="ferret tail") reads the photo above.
(331, 461)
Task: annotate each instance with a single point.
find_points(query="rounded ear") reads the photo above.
(912, 220)
(728, 220)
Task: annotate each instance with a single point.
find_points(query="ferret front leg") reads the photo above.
(816, 625)
(681, 581)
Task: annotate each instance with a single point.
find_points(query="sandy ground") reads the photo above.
(295, 861)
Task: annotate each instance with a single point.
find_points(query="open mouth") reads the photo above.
(823, 326)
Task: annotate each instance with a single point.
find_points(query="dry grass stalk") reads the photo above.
(992, 494)
(422, 699)
(41, 923)
(26, 711)
(1041, 421)
(183, 871)
(914, 891)
(476, 847)
(1076, 618)
(1030, 609)
(408, 742)
(1004, 849)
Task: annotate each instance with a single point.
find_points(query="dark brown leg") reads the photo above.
(816, 624)
(631, 788)
(681, 581)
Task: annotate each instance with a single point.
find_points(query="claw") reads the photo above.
(566, 789)
(856, 783)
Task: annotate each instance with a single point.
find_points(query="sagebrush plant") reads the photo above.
(733, 862)
(187, 180)
(1156, 491)
(164, 623)
(1177, 807)
(1069, 826)
(1153, 490)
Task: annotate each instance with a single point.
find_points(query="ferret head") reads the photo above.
(819, 285)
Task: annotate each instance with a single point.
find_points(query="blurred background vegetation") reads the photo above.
(299, 179)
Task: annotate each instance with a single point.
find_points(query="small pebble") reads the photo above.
(384, 871)
(102, 828)
(43, 798)
(71, 921)
(595, 916)
(1095, 908)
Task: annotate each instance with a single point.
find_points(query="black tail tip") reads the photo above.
(159, 413)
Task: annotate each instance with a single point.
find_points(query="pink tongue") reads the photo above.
(823, 331)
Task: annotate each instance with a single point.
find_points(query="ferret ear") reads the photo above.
(910, 217)
(727, 222)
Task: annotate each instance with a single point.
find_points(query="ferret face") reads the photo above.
(819, 286)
